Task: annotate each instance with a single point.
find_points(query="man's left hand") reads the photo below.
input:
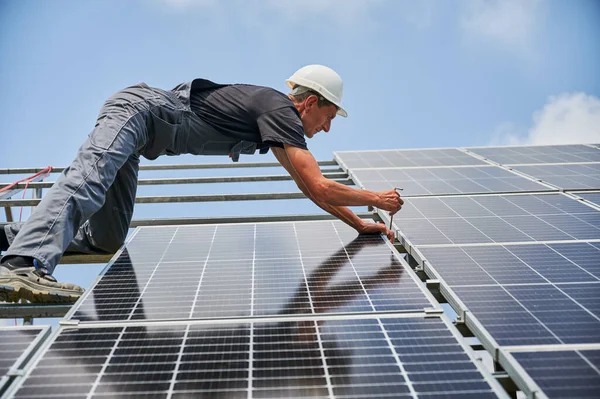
(377, 228)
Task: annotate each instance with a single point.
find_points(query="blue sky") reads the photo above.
(417, 74)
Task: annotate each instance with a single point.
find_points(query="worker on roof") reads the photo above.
(89, 208)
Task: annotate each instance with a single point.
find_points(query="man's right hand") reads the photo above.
(390, 201)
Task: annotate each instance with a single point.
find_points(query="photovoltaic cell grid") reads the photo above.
(436, 181)
(405, 158)
(564, 374)
(366, 358)
(526, 294)
(14, 342)
(270, 269)
(496, 219)
(539, 154)
(592, 197)
(567, 177)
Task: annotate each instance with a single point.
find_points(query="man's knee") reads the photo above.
(109, 242)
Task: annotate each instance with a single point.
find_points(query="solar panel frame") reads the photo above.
(446, 180)
(423, 352)
(363, 265)
(15, 363)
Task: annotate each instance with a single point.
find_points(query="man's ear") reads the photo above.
(311, 101)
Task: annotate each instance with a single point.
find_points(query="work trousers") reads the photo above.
(90, 206)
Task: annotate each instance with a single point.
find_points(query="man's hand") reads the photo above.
(377, 228)
(390, 201)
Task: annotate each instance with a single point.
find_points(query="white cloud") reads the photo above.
(508, 23)
(565, 119)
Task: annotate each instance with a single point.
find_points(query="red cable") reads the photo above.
(46, 171)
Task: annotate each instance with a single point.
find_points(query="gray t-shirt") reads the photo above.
(251, 113)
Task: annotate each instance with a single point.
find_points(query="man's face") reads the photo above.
(315, 118)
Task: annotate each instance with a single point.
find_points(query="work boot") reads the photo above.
(34, 284)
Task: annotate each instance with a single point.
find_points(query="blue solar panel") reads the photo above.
(362, 358)
(568, 177)
(564, 373)
(592, 197)
(530, 314)
(554, 289)
(436, 181)
(17, 344)
(539, 154)
(268, 269)
(496, 219)
(405, 158)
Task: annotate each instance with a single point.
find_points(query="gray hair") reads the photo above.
(301, 93)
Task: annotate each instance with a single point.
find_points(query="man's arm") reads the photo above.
(341, 212)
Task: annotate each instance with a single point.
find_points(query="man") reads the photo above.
(89, 208)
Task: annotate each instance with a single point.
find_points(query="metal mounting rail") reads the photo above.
(340, 177)
(181, 198)
(230, 165)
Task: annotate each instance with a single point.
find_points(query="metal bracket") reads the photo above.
(433, 312)
(69, 323)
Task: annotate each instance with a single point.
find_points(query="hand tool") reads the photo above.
(392, 216)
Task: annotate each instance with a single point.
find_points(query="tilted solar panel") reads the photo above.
(439, 181)
(496, 219)
(538, 154)
(16, 347)
(566, 176)
(525, 294)
(397, 357)
(593, 197)
(572, 374)
(405, 158)
(216, 271)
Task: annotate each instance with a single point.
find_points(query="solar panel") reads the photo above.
(592, 197)
(436, 181)
(567, 176)
(538, 154)
(405, 158)
(496, 219)
(394, 357)
(16, 347)
(525, 294)
(268, 269)
(572, 374)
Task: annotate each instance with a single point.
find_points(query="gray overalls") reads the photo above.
(90, 206)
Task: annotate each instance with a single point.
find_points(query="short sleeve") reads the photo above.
(282, 126)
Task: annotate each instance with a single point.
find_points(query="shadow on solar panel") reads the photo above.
(362, 276)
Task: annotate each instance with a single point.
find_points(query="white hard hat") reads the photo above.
(322, 80)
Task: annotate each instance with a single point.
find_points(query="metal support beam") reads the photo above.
(32, 310)
(230, 165)
(340, 177)
(182, 198)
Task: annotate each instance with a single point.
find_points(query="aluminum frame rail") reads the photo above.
(336, 174)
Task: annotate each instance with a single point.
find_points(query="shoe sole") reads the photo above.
(12, 289)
